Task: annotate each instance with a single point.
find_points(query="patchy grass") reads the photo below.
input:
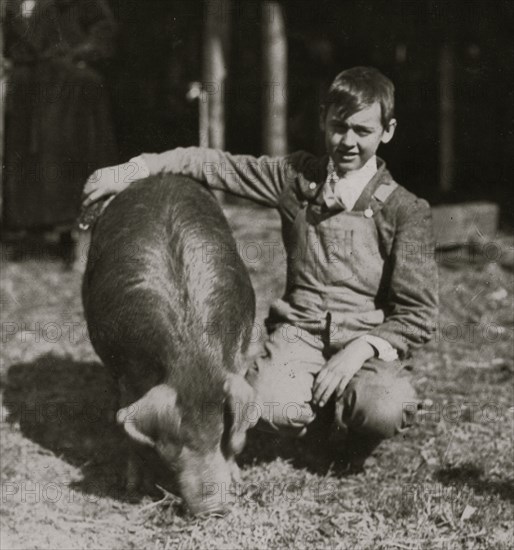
(448, 483)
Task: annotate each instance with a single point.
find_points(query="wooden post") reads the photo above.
(274, 51)
(446, 117)
(195, 93)
(203, 120)
(215, 62)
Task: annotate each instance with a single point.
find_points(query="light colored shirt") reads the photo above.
(345, 190)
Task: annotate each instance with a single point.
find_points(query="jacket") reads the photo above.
(409, 288)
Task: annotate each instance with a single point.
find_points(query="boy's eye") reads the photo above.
(342, 128)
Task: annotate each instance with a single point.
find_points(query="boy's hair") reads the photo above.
(360, 87)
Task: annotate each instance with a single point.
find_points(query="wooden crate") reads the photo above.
(460, 224)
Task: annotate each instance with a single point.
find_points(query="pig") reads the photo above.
(170, 308)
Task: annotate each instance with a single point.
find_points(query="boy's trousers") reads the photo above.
(378, 402)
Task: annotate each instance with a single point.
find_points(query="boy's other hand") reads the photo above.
(110, 180)
(339, 370)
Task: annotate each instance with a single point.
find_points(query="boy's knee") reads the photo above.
(379, 408)
(286, 418)
(283, 402)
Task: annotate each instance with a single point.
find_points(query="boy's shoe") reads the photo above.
(355, 450)
(319, 431)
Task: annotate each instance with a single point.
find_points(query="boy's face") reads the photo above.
(353, 141)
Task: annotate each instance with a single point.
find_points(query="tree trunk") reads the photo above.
(274, 47)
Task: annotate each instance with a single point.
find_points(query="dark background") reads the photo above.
(159, 52)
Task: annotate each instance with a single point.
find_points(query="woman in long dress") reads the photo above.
(58, 119)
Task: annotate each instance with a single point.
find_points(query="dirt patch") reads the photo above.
(448, 483)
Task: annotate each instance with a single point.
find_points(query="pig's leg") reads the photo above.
(133, 471)
(138, 478)
(82, 242)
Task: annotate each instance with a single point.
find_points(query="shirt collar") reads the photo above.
(363, 174)
(345, 191)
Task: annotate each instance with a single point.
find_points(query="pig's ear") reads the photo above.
(240, 411)
(141, 419)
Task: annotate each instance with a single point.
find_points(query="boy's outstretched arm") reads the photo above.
(259, 179)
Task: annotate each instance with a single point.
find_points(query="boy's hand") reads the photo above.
(339, 370)
(110, 180)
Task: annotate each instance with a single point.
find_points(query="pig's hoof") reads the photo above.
(137, 479)
(132, 478)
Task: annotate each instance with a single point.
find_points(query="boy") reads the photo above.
(361, 288)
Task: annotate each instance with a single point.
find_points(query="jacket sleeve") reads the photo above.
(258, 179)
(412, 295)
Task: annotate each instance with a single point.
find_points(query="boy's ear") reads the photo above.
(322, 117)
(388, 134)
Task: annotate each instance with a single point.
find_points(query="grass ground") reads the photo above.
(448, 483)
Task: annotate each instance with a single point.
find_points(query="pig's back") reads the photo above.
(164, 281)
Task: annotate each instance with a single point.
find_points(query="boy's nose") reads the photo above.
(348, 139)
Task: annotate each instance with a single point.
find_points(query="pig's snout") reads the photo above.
(209, 484)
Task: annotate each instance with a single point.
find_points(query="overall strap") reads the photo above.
(381, 195)
(379, 198)
(384, 190)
